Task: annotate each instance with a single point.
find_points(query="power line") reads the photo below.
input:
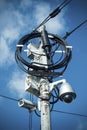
(69, 33)
(54, 13)
(30, 114)
(63, 112)
(10, 98)
(74, 114)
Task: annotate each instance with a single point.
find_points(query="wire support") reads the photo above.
(38, 69)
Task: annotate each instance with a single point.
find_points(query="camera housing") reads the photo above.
(66, 93)
(27, 104)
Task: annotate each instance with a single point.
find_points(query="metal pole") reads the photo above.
(44, 105)
(44, 84)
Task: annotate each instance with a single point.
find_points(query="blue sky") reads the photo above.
(18, 18)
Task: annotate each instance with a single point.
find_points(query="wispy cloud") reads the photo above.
(17, 84)
(6, 55)
(12, 24)
(55, 25)
(25, 4)
(41, 12)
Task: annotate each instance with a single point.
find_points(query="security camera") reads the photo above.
(27, 104)
(66, 93)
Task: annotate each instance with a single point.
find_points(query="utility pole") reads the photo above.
(44, 84)
(40, 86)
(45, 105)
(42, 65)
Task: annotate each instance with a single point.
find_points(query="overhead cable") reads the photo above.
(70, 113)
(69, 33)
(54, 13)
(63, 112)
(10, 98)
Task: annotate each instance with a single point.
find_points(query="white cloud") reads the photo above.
(41, 11)
(17, 84)
(25, 3)
(55, 25)
(6, 55)
(20, 18)
(12, 24)
(10, 34)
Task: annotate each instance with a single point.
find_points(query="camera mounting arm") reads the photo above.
(56, 83)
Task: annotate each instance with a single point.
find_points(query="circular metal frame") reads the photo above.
(52, 70)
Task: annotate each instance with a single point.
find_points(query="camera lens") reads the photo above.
(68, 98)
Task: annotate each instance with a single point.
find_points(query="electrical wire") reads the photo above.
(63, 112)
(67, 2)
(69, 33)
(37, 113)
(30, 114)
(55, 97)
(10, 98)
(70, 113)
(53, 13)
